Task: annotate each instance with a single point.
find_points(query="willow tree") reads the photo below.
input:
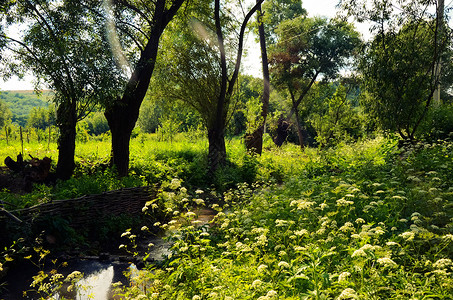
(203, 65)
(401, 63)
(64, 46)
(136, 27)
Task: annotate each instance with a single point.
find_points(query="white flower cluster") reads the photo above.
(302, 204)
(343, 202)
(442, 263)
(362, 252)
(387, 262)
(347, 294)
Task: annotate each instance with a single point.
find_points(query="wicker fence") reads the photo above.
(86, 209)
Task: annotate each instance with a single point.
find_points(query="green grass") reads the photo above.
(361, 221)
(358, 221)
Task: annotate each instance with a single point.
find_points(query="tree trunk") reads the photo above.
(299, 128)
(254, 141)
(123, 113)
(66, 121)
(282, 131)
(121, 123)
(217, 149)
(216, 134)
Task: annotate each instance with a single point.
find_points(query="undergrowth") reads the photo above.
(362, 221)
(366, 220)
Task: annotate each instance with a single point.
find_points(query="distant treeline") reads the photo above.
(21, 103)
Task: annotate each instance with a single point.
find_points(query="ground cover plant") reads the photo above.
(362, 221)
(367, 220)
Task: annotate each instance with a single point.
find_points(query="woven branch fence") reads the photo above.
(90, 208)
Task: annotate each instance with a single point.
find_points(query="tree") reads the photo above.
(277, 11)
(334, 117)
(65, 47)
(308, 49)
(38, 118)
(254, 140)
(5, 114)
(204, 72)
(401, 63)
(142, 24)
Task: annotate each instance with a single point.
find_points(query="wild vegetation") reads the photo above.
(327, 178)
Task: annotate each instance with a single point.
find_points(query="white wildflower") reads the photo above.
(343, 276)
(391, 243)
(448, 237)
(408, 235)
(280, 223)
(257, 283)
(442, 263)
(387, 262)
(271, 294)
(348, 226)
(283, 264)
(301, 232)
(262, 268)
(347, 294)
(343, 202)
(199, 201)
(190, 214)
(323, 206)
(360, 221)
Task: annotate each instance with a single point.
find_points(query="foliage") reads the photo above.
(20, 103)
(397, 70)
(41, 118)
(438, 123)
(96, 123)
(335, 119)
(159, 106)
(307, 49)
(5, 113)
(401, 64)
(377, 226)
(277, 11)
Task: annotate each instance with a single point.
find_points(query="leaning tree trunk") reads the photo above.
(66, 122)
(254, 141)
(123, 113)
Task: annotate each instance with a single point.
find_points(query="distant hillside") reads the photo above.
(21, 102)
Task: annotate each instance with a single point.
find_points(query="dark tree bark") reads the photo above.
(123, 113)
(217, 149)
(254, 141)
(216, 130)
(66, 122)
(283, 124)
(282, 131)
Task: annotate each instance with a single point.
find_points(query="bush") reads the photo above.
(438, 124)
